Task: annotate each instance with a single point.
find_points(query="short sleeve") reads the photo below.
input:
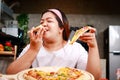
(82, 60)
(24, 50)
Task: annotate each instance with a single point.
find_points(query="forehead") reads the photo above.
(48, 15)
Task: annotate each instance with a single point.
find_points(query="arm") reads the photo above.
(25, 61)
(93, 64)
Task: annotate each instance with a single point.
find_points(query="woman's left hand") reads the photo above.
(89, 37)
(93, 53)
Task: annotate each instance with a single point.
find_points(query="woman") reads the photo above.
(49, 46)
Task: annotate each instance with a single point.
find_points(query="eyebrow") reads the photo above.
(47, 18)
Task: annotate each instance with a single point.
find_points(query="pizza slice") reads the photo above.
(78, 33)
(36, 28)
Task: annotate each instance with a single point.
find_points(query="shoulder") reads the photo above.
(24, 50)
(76, 46)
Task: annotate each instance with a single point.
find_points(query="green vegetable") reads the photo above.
(8, 48)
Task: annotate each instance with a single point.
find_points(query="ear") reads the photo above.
(61, 30)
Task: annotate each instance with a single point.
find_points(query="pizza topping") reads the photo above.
(64, 73)
(78, 33)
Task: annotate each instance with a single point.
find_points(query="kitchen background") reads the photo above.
(99, 13)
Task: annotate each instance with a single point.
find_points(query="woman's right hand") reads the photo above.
(26, 59)
(36, 38)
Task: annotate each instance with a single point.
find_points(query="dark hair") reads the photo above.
(64, 24)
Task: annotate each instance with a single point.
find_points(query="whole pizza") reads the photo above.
(54, 73)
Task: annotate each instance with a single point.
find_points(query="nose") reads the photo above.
(44, 24)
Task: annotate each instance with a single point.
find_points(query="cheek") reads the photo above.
(55, 29)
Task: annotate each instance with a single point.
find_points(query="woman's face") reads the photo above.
(53, 31)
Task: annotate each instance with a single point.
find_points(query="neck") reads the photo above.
(55, 45)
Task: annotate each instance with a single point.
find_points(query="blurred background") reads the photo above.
(99, 13)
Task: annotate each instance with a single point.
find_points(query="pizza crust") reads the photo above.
(36, 28)
(26, 77)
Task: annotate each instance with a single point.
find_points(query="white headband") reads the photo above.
(57, 12)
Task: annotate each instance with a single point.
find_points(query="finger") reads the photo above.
(92, 30)
(87, 36)
(33, 35)
(40, 32)
(31, 32)
(35, 29)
